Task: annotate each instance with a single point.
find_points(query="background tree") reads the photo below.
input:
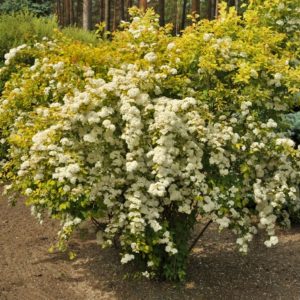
(87, 14)
(143, 4)
(196, 7)
(129, 3)
(102, 10)
(161, 12)
(122, 9)
(183, 17)
(69, 12)
(107, 14)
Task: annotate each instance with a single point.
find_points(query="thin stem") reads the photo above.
(98, 224)
(199, 235)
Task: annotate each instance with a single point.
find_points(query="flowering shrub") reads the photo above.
(31, 79)
(151, 132)
(282, 16)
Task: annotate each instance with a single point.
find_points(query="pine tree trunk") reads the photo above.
(129, 5)
(161, 11)
(102, 11)
(63, 13)
(216, 8)
(143, 5)
(107, 15)
(175, 15)
(122, 10)
(68, 12)
(236, 4)
(71, 12)
(87, 14)
(116, 11)
(59, 12)
(209, 9)
(79, 13)
(183, 17)
(177, 18)
(195, 7)
(213, 7)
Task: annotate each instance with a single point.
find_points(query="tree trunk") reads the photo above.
(102, 11)
(71, 12)
(122, 10)
(79, 12)
(216, 8)
(209, 9)
(183, 14)
(107, 15)
(59, 12)
(87, 14)
(236, 4)
(175, 17)
(213, 9)
(116, 14)
(143, 5)
(63, 13)
(127, 6)
(196, 7)
(68, 12)
(161, 11)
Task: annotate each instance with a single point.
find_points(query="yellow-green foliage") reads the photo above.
(281, 16)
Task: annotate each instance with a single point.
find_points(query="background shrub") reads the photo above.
(81, 35)
(23, 27)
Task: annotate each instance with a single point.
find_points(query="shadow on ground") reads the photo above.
(216, 270)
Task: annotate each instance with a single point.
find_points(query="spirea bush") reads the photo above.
(281, 16)
(149, 133)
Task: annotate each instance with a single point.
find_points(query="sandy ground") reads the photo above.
(216, 270)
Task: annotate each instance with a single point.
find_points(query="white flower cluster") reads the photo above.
(138, 27)
(12, 53)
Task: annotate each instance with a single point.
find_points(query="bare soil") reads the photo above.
(216, 270)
